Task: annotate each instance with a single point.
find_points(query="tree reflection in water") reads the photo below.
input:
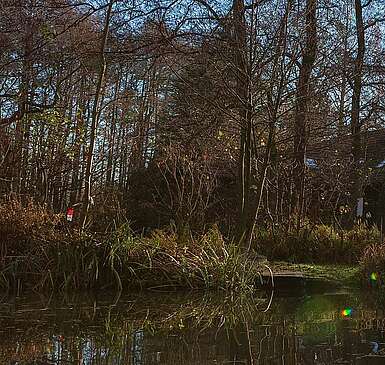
(192, 329)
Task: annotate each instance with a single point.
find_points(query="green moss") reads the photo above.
(339, 274)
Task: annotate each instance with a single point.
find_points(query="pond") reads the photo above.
(339, 327)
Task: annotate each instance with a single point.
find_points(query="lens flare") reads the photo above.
(373, 276)
(347, 312)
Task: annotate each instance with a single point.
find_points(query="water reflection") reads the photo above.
(340, 328)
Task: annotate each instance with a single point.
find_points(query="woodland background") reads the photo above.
(193, 112)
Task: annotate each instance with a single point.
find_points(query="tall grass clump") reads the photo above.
(162, 260)
(316, 243)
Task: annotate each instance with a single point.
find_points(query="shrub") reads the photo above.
(38, 248)
(23, 222)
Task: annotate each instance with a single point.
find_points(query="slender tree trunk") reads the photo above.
(301, 111)
(79, 134)
(112, 137)
(22, 126)
(356, 104)
(245, 117)
(95, 115)
(344, 81)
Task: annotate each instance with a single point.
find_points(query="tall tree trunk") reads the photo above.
(79, 134)
(245, 118)
(112, 136)
(22, 124)
(301, 108)
(344, 80)
(356, 103)
(95, 115)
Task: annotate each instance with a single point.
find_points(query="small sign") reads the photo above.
(70, 214)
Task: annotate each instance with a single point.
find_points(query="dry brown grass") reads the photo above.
(39, 250)
(24, 222)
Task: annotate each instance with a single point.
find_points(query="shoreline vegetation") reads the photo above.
(39, 251)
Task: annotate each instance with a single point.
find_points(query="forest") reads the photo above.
(180, 139)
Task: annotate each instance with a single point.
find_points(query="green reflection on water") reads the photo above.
(189, 328)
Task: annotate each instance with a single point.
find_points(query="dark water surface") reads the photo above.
(193, 328)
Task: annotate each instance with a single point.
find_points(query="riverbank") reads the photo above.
(158, 262)
(40, 251)
(336, 275)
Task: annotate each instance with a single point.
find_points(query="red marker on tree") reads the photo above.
(70, 214)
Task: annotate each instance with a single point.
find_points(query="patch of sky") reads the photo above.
(311, 163)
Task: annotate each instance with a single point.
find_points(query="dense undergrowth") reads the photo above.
(39, 250)
(320, 244)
